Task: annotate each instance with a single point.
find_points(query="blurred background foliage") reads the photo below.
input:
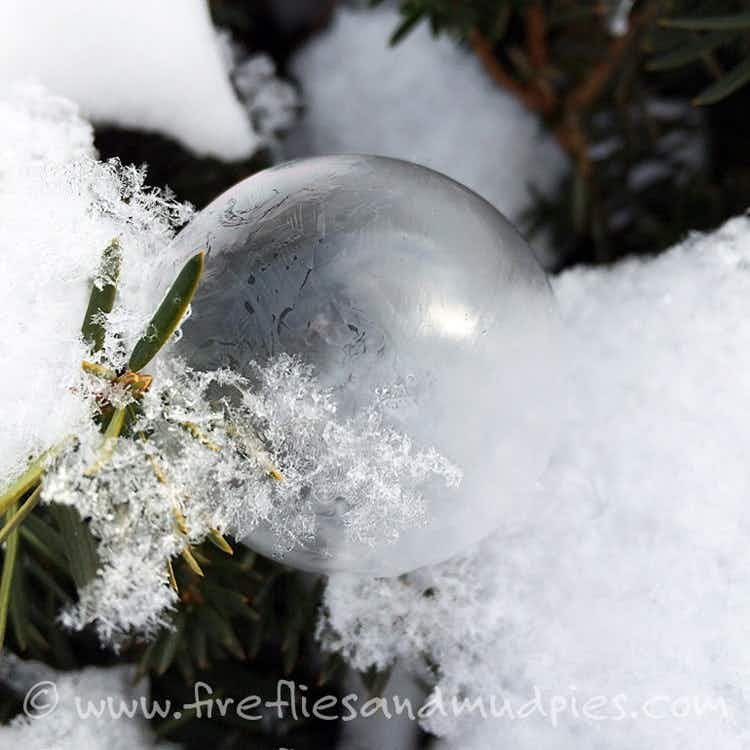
(645, 97)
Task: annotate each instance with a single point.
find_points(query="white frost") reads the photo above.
(59, 208)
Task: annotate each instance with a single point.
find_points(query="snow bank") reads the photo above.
(140, 64)
(631, 585)
(426, 101)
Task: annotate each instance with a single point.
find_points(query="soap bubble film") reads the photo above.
(422, 351)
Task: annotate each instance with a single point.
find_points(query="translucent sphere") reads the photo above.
(385, 276)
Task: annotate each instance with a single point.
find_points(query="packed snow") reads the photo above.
(630, 585)
(425, 100)
(142, 65)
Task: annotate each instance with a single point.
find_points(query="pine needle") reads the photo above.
(187, 556)
(114, 428)
(170, 574)
(15, 519)
(220, 542)
(169, 315)
(28, 479)
(100, 371)
(179, 518)
(200, 436)
(6, 582)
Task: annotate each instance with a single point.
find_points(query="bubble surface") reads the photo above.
(410, 297)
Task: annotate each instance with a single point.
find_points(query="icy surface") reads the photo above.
(424, 311)
(144, 65)
(425, 100)
(631, 579)
(75, 699)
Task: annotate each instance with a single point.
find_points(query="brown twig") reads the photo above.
(570, 110)
(531, 96)
(591, 88)
(536, 36)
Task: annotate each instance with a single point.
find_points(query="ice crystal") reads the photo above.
(201, 455)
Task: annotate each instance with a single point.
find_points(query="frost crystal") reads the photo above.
(201, 452)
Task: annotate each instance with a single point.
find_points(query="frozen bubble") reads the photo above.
(413, 299)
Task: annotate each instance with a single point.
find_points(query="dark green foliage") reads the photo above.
(55, 550)
(243, 627)
(169, 315)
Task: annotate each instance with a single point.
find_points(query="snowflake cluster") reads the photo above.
(218, 452)
(59, 208)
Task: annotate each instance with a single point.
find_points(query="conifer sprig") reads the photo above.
(78, 546)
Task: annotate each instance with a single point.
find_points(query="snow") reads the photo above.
(69, 696)
(220, 481)
(59, 208)
(144, 65)
(632, 578)
(425, 100)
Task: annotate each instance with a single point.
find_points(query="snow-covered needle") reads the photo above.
(112, 433)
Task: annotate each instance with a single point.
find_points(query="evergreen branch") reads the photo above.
(533, 99)
(735, 79)
(694, 50)
(79, 543)
(738, 22)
